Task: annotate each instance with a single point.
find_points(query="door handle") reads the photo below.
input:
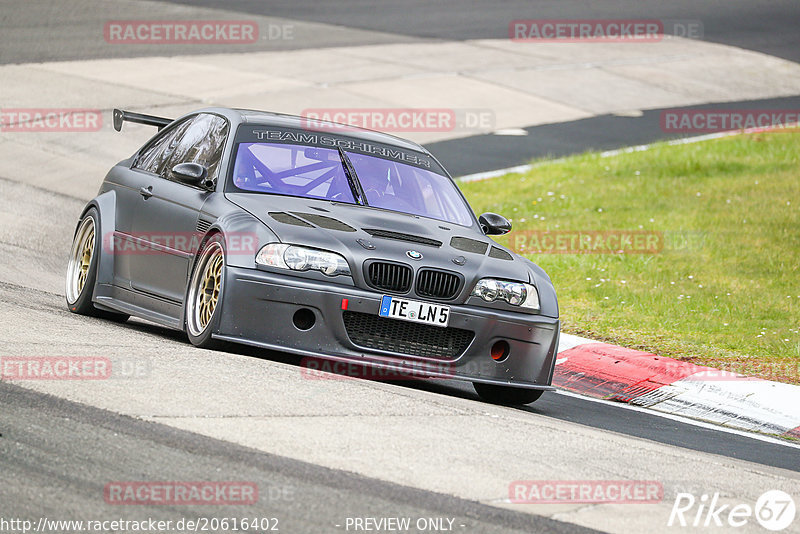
(146, 192)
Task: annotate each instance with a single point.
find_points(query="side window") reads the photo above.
(154, 157)
(201, 142)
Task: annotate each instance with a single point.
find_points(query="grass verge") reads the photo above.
(722, 285)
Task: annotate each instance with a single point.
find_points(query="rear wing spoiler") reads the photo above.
(121, 116)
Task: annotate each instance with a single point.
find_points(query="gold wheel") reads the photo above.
(80, 260)
(205, 288)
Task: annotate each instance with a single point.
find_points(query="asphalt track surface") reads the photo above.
(769, 26)
(56, 455)
(766, 26)
(44, 31)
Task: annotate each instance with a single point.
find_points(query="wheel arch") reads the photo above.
(105, 204)
(211, 232)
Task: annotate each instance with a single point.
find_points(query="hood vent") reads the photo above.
(500, 254)
(285, 218)
(312, 220)
(329, 223)
(469, 245)
(386, 234)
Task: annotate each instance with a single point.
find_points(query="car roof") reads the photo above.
(269, 118)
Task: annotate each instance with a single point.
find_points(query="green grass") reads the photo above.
(725, 289)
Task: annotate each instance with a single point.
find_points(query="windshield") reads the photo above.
(314, 172)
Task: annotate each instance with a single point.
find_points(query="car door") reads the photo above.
(132, 186)
(166, 222)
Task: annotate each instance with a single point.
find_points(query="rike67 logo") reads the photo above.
(774, 510)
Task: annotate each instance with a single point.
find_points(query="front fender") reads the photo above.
(244, 236)
(547, 292)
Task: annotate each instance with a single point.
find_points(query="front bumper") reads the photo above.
(258, 309)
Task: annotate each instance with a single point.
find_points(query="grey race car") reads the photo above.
(321, 240)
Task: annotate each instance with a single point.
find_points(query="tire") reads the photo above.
(202, 307)
(506, 395)
(82, 269)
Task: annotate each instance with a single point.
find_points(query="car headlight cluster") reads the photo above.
(298, 258)
(515, 293)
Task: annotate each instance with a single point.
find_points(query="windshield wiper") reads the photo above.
(352, 178)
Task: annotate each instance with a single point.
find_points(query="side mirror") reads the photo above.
(192, 174)
(494, 224)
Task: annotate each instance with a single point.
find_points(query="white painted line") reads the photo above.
(685, 420)
(511, 131)
(494, 174)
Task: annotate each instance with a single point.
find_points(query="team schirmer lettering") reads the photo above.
(345, 144)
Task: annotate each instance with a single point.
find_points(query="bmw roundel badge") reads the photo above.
(414, 255)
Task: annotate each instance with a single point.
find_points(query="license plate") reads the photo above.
(417, 312)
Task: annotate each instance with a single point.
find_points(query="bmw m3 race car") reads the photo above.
(316, 239)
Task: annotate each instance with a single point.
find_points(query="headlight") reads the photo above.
(298, 258)
(515, 293)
